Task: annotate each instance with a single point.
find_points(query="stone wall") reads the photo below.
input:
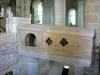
(92, 20)
(92, 16)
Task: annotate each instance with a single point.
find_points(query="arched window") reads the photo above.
(72, 17)
(36, 12)
(40, 10)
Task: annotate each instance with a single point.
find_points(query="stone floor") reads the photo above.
(92, 70)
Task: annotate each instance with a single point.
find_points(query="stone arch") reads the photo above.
(32, 10)
(30, 39)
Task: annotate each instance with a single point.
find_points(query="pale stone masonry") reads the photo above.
(92, 20)
(92, 14)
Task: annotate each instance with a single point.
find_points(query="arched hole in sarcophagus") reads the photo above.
(30, 40)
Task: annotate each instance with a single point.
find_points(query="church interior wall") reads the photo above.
(57, 15)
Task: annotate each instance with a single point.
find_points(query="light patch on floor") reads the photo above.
(55, 69)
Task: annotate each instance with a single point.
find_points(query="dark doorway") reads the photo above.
(30, 40)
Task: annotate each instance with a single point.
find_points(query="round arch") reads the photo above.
(30, 39)
(36, 11)
(72, 16)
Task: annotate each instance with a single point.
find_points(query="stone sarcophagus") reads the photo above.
(57, 43)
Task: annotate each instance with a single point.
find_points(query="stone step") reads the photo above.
(90, 71)
(96, 66)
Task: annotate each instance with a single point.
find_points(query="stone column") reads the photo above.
(60, 12)
(46, 11)
(80, 12)
(52, 13)
(26, 8)
(19, 8)
(5, 16)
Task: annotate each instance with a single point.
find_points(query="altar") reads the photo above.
(69, 46)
